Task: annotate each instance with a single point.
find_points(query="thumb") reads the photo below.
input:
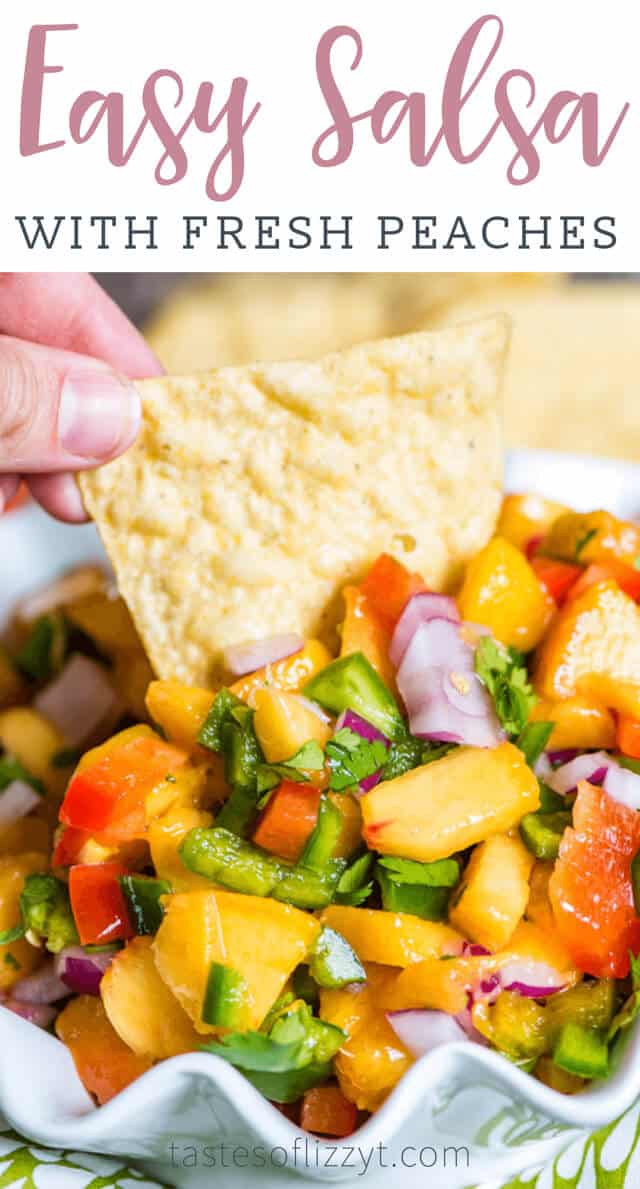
(60, 411)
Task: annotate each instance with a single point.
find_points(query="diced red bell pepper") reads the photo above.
(628, 737)
(590, 888)
(627, 578)
(98, 905)
(107, 799)
(70, 843)
(288, 820)
(557, 577)
(326, 1111)
(389, 585)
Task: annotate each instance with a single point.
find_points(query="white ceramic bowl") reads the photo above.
(471, 1115)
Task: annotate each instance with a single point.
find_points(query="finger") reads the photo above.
(71, 311)
(60, 411)
(9, 485)
(59, 495)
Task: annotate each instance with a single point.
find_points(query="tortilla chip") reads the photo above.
(572, 380)
(253, 495)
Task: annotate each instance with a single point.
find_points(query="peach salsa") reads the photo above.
(334, 864)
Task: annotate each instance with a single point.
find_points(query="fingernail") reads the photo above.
(99, 415)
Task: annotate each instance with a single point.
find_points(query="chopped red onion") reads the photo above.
(472, 949)
(466, 692)
(543, 767)
(465, 1019)
(591, 766)
(623, 785)
(16, 801)
(45, 986)
(82, 972)
(443, 696)
(440, 721)
(439, 736)
(421, 688)
(255, 654)
(535, 980)
(435, 644)
(82, 976)
(489, 987)
(532, 992)
(40, 1014)
(487, 990)
(423, 1031)
(360, 726)
(563, 756)
(420, 609)
(370, 782)
(79, 700)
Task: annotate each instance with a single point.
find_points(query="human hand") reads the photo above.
(67, 358)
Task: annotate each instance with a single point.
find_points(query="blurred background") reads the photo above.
(573, 377)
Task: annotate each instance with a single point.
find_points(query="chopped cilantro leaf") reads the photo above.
(294, 1056)
(353, 887)
(518, 658)
(256, 1051)
(269, 776)
(352, 759)
(310, 758)
(443, 873)
(9, 960)
(504, 673)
